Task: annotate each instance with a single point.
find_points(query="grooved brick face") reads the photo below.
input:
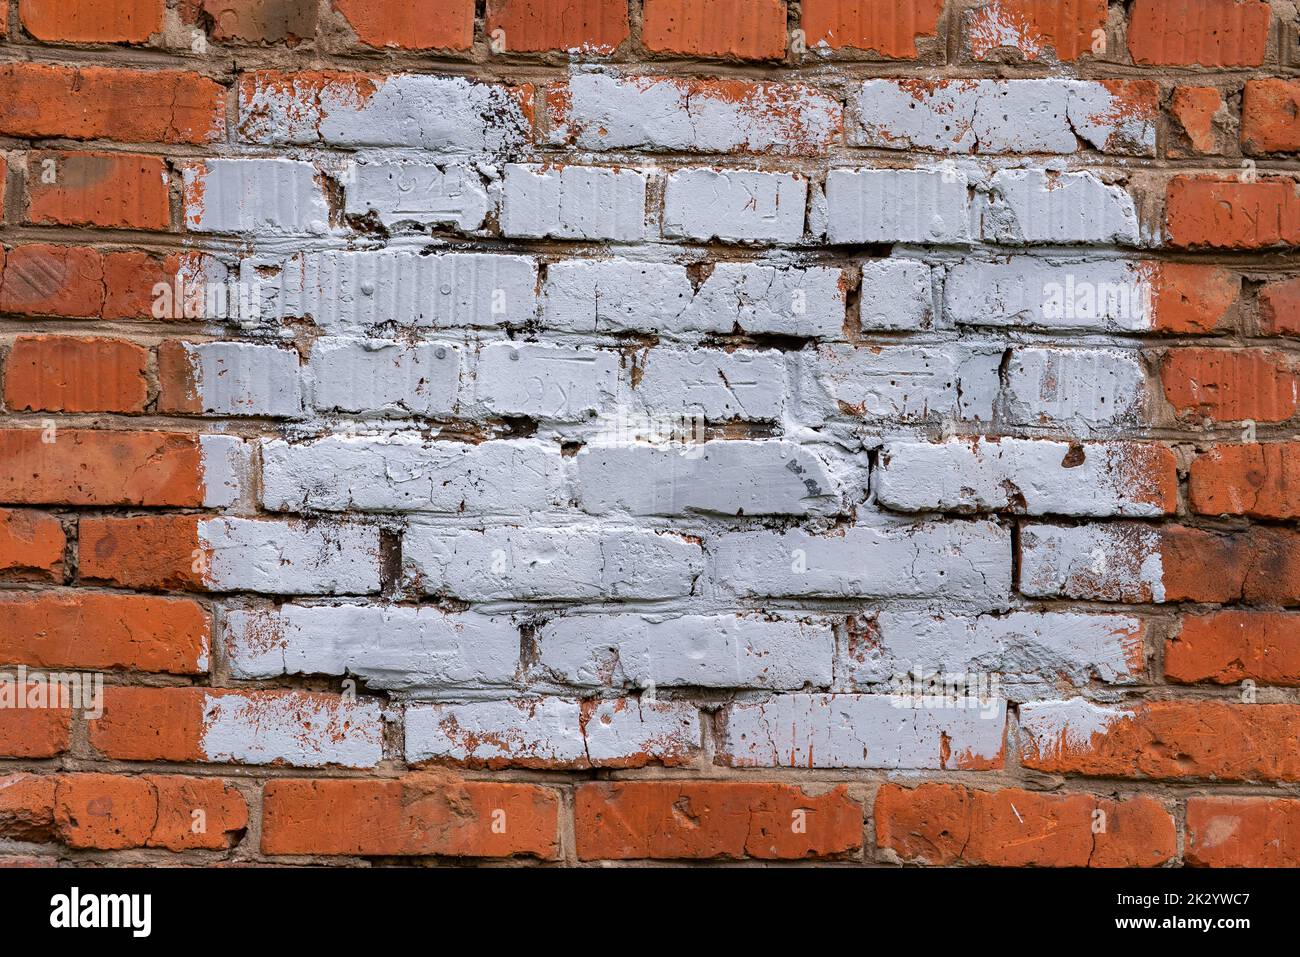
(848, 433)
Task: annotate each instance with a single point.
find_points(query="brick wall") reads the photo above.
(577, 430)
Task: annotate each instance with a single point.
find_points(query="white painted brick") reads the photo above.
(383, 376)
(707, 651)
(1056, 728)
(1032, 653)
(417, 193)
(912, 383)
(999, 116)
(605, 111)
(389, 647)
(735, 205)
(407, 472)
(864, 731)
(226, 462)
(718, 385)
(361, 291)
(448, 114)
(1100, 295)
(1111, 562)
(258, 196)
(616, 294)
(242, 378)
(544, 381)
(573, 202)
(574, 563)
(1081, 389)
(724, 477)
(895, 294)
(296, 729)
(290, 557)
(1026, 206)
(1026, 476)
(962, 560)
(553, 732)
(897, 206)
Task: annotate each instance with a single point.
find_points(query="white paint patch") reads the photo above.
(417, 194)
(1056, 728)
(298, 729)
(1117, 562)
(897, 206)
(574, 202)
(290, 557)
(735, 205)
(225, 463)
(254, 196)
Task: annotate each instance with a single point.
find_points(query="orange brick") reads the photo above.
(153, 552)
(885, 27)
(411, 24)
(1243, 832)
(1231, 214)
(1173, 740)
(29, 727)
(45, 280)
(257, 21)
(113, 190)
(1258, 565)
(71, 374)
(92, 21)
(1227, 647)
(417, 815)
(86, 467)
(1192, 298)
(111, 812)
(942, 824)
(27, 807)
(1262, 481)
(1270, 116)
(91, 630)
(743, 29)
(1279, 308)
(534, 26)
(1034, 27)
(39, 101)
(1230, 385)
(638, 820)
(1195, 108)
(1199, 32)
(31, 545)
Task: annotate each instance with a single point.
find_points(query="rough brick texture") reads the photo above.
(833, 432)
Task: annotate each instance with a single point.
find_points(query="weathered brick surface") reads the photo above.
(849, 432)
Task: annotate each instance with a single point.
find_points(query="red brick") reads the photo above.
(1261, 481)
(1196, 108)
(1230, 385)
(86, 467)
(943, 824)
(111, 812)
(426, 814)
(1199, 32)
(257, 21)
(1279, 308)
(743, 29)
(1227, 647)
(534, 26)
(92, 21)
(153, 552)
(38, 731)
(27, 807)
(113, 190)
(1231, 214)
(133, 291)
(38, 101)
(31, 545)
(72, 374)
(1243, 832)
(91, 630)
(1033, 27)
(1192, 298)
(639, 820)
(885, 27)
(1270, 116)
(1176, 740)
(411, 24)
(45, 280)
(1257, 565)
